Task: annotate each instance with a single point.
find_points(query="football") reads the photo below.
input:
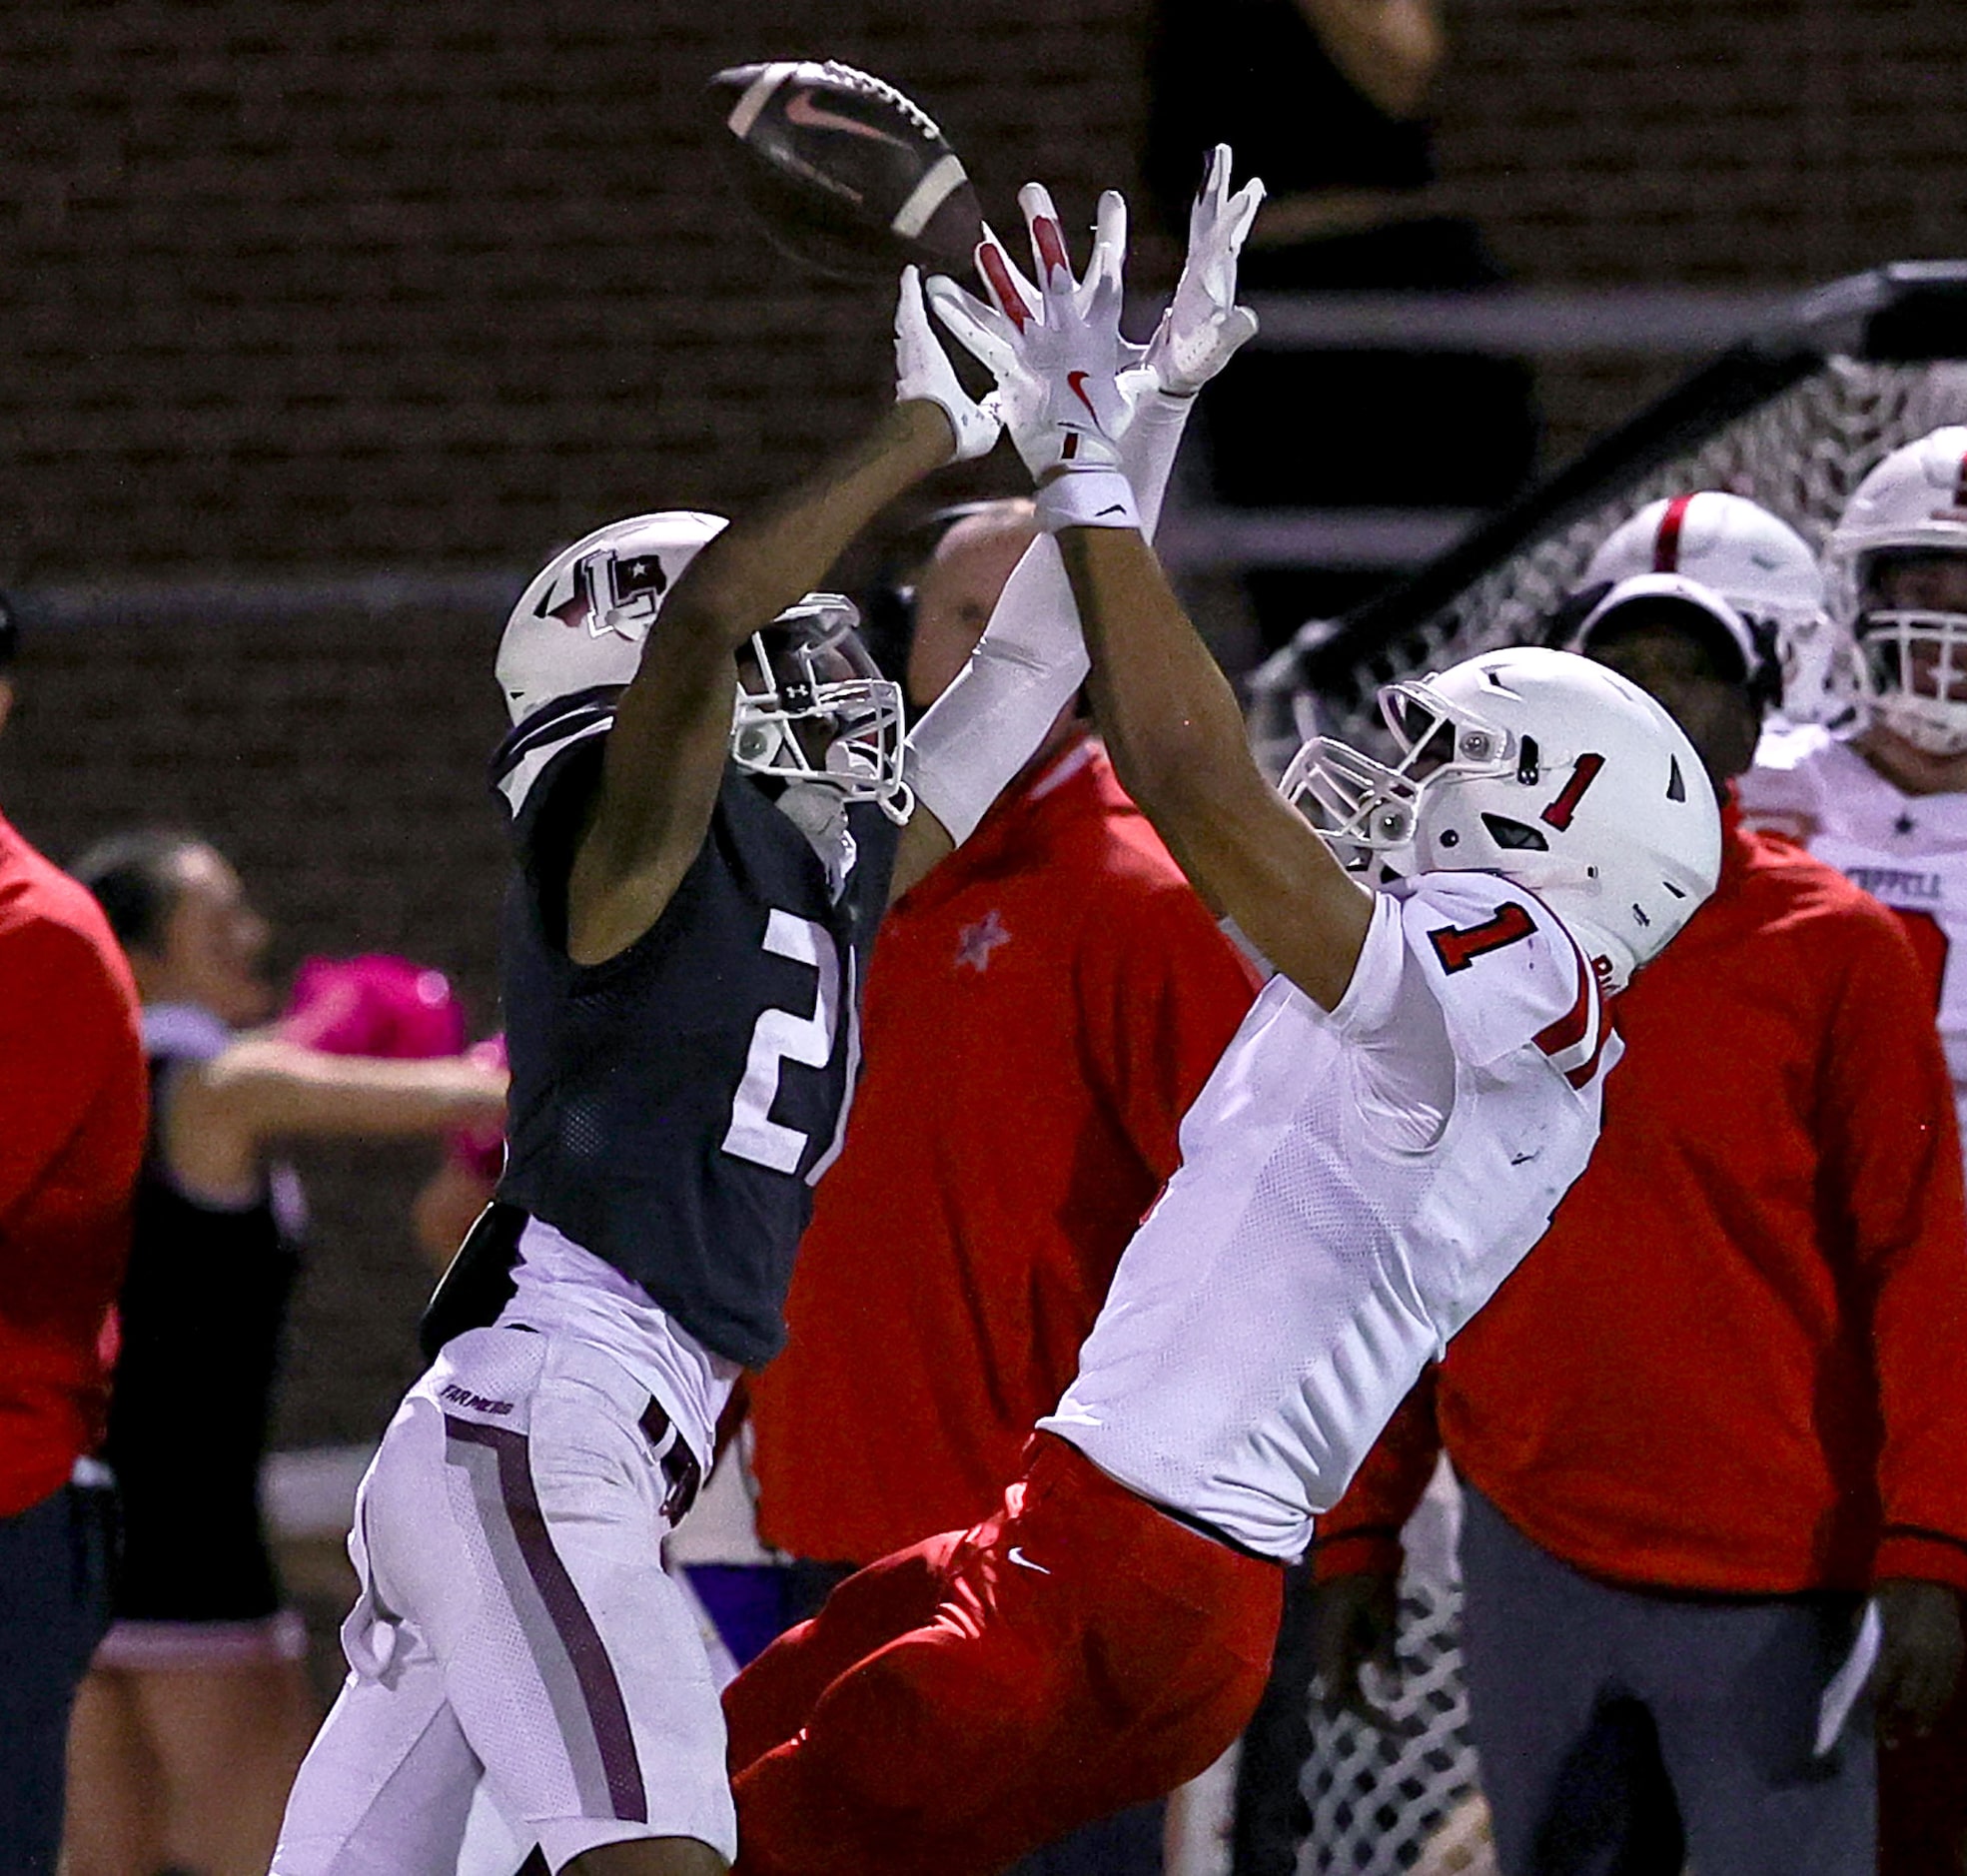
(846, 175)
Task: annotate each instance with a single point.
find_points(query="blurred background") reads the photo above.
(326, 321)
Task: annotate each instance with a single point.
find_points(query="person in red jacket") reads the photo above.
(1722, 1399)
(71, 1142)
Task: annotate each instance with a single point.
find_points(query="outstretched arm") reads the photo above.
(218, 1117)
(1170, 718)
(1032, 659)
(1176, 735)
(666, 753)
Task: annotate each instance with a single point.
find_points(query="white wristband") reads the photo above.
(1101, 498)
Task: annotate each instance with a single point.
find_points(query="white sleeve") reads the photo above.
(1503, 970)
(1031, 660)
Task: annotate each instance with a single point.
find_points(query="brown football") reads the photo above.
(846, 175)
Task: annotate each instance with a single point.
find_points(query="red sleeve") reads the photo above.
(1362, 1530)
(63, 1025)
(1891, 1139)
(1161, 991)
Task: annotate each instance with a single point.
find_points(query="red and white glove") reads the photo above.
(923, 369)
(1057, 353)
(1203, 326)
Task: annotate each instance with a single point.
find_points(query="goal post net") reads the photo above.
(1792, 417)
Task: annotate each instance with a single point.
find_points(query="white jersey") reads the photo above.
(1908, 851)
(1354, 1187)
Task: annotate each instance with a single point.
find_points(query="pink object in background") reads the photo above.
(374, 1005)
(482, 1151)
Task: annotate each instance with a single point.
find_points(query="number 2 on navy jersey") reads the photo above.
(1458, 946)
(779, 1037)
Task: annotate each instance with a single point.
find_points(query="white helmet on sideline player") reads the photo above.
(1547, 769)
(580, 626)
(1911, 660)
(1757, 562)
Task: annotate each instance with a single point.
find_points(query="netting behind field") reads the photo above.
(1800, 455)
(1378, 1800)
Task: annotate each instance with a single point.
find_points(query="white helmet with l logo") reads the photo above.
(1547, 769)
(585, 617)
(808, 702)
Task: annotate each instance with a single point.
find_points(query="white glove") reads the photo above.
(1203, 326)
(923, 369)
(1054, 349)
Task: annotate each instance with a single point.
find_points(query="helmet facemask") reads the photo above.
(1366, 811)
(1913, 659)
(813, 706)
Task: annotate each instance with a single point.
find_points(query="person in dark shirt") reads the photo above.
(1328, 101)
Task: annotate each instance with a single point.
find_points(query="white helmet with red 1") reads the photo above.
(1547, 769)
(1906, 528)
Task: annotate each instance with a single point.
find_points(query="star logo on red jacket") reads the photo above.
(975, 943)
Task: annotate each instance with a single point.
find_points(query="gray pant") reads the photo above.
(1619, 1729)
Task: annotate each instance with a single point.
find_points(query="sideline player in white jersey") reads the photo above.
(1383, 1141)
(710, 798)
(1885, 802)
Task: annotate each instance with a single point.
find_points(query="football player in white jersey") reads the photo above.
(1885, 802)
(1381, 1142)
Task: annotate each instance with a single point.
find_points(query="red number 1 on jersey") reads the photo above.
(1458, 946)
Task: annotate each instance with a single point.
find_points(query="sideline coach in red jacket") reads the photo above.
(73, 1106)
(1724, 1398)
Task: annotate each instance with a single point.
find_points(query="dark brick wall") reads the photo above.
(331, 281)
(288, 287)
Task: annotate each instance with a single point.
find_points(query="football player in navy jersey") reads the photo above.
(712, 799)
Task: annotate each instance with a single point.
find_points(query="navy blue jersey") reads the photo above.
(673, 1108)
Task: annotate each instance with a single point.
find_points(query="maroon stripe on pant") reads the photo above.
(601, 1692)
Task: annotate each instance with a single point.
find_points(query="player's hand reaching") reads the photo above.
(1055, 348)
(1203, 326)
(923, 371)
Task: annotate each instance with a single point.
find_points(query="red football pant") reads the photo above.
(965, 1701)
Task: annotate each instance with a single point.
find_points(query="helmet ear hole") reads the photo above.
(1514, 837)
